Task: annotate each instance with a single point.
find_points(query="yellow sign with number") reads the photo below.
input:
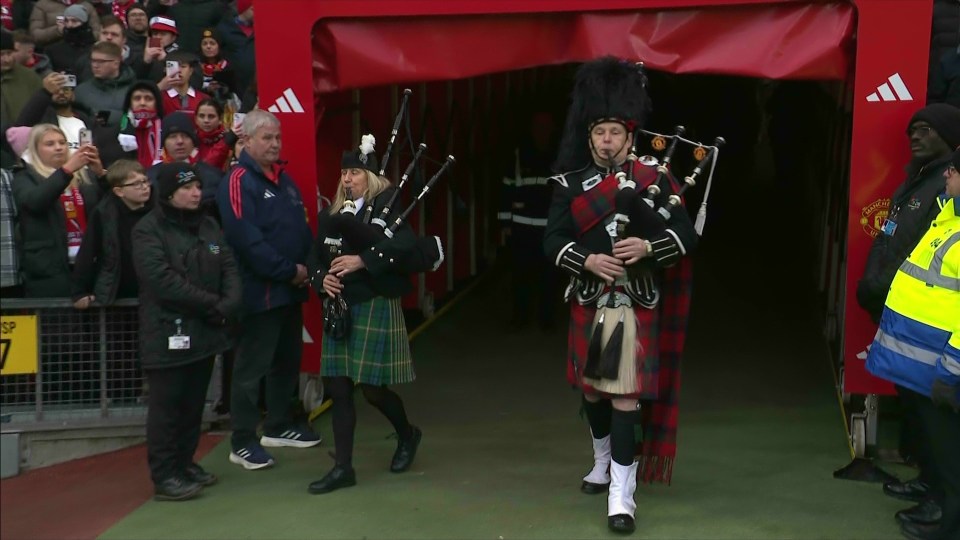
(18, 345)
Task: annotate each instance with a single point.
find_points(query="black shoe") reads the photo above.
(406, 451)
(338, 477)
(621, 523)
(176, 489)
(196, 474)
(928, 512)
(911, 490)
(594, 489)
(920, 532)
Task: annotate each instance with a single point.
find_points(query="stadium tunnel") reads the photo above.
(769, 264)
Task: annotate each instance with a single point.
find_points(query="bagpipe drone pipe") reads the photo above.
(647, 213)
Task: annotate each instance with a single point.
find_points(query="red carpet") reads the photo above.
(79, 499)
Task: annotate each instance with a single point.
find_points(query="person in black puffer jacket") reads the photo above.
(944, 68)
(934, 132)
(190, 292)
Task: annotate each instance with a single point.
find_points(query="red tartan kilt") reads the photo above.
(647, 358)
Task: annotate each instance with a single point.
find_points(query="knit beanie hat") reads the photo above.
(944, 119)
(173, 176)
(179, 122)
(956, 160)
(19, 138)
(6, 41)
(243, 5)
(77, 12)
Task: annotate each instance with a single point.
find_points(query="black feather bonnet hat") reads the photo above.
(364, 157)
(605, 90)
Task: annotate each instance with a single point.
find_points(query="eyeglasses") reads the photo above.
(137, 183)
(921, 131)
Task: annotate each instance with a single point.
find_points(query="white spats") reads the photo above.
(623, 483)
(600, 474)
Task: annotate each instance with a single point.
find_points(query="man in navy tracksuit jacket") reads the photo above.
(265, 223)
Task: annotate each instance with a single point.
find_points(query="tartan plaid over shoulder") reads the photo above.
(659, 411)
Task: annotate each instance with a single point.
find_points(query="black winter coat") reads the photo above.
(42, 230)
(913, 207)
(384, 273)
(106, 254)
(187, 273)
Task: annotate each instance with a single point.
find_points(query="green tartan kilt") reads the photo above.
(377, 351)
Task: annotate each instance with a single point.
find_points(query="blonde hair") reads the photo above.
(37, 133)
(375, 186)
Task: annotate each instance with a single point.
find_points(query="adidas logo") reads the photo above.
(288, 102)
(268, 194)
(884, 93)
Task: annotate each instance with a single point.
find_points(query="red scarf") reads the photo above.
(76, 214)
(147, 131)
(210, 138)
(209, 68)
(120, 8)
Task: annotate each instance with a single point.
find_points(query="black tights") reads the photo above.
(340, 389)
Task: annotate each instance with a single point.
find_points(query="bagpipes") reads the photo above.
(362, 232)
(644, 214)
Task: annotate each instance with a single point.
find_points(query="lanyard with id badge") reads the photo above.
(178, 341)
(889, 226)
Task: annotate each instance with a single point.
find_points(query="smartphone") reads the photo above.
(173, 69)
(69, 80)
(61, 18)
(155, 43)
(238, 119)
(86, 137)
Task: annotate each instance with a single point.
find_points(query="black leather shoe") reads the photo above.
(911, 490)
(176, 489)
(920, 532)
(197, 475)
(926, 513)
(406, 451)
(621, 523)
(338, 477)
(594, 489)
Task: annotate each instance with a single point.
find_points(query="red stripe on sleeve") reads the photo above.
(236, 195)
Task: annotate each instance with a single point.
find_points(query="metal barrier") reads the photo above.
(68, 367)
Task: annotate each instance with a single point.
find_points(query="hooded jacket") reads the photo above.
(107, 95)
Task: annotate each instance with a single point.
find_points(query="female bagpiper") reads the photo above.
(368, 345)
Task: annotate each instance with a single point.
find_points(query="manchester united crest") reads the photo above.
(873, 215)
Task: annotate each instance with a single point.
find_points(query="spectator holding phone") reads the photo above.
(178, 94)
(53, 104)
(161, 41)
(238, 43)
(103, 95)
(47, 20)
(54, 194)
(78, 37)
